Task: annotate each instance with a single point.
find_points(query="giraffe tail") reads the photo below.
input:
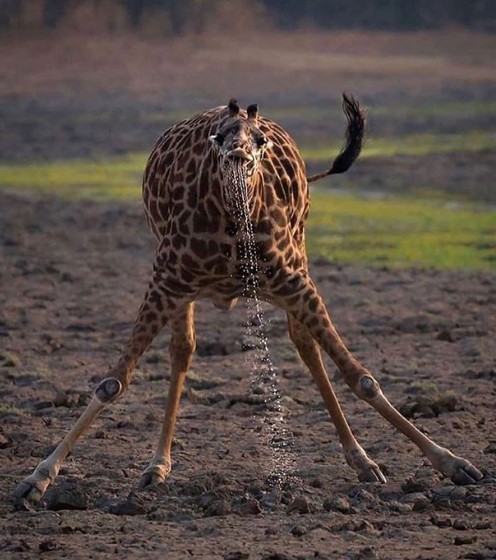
(350, 151)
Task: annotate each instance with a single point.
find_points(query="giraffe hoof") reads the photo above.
(28, 491)
(154, 474)
(465, 473)
(371, 473)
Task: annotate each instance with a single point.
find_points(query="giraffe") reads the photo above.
(189, 205)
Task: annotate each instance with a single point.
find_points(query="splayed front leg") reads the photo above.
(34, 486)
(155, 311)
(182, 346)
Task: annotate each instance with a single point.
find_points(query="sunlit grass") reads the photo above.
(398, 231)
(412, 145)
(119, 177)
(116, 177)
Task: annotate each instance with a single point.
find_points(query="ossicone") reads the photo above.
(252, 111)
(233, 108)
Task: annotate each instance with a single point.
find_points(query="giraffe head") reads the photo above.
(240, 145)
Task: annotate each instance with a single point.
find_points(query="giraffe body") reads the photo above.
(190, 203)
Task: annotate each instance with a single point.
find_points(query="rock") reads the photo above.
(440, 521)
(299, 530)
(464, 539)
(5, 441)
(491, 448)
(421, 503)
(47, 545)
(9, 359)
(217, 508)
(236, 555)
(446, 335)
(269, 500)
(414, 484)
(299, 505)
(250, 506)
(367, 553)
(461, 525)
(339, 503)
(132, 505)
(277, 556)
(399, 507)
(445, 495)
(66, 496)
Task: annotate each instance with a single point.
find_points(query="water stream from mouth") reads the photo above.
(264, 382)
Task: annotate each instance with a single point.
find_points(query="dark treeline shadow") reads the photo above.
(177, 17)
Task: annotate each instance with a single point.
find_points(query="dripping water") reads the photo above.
(264, 381)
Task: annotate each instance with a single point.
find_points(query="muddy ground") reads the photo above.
(72, 276)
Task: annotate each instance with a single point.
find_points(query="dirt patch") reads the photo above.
(72, 275)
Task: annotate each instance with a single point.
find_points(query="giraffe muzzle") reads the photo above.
(238, 153)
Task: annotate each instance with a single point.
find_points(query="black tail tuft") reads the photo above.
(352, 147)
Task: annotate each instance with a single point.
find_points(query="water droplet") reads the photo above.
(273, 428)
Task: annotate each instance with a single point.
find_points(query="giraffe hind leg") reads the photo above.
(147, 325)
(299, 297)
(356, 457)
(182, 346)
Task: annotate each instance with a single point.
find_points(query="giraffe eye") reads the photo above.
(219, 138)
(261, 141)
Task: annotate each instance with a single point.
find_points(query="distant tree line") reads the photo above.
(176, 17)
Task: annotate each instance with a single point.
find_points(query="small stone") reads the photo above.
(445, 495)
(446, 336)
(269, 500)
(299, 505)
(299, 530)
(421, 503)
(5, 441)
(482, 525)
(47, 546)
(132, 505)
(441, 521)
(491, 448)
(236, 555)
(464, 539)
(399, 507)
(66, 496)
(414, 484)
(8, 359)
(339, 503)
(418, 500)
(218, 508)
(367, 553)
(250, 507)
(460, 525)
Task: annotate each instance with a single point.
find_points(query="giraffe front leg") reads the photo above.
(356, 457)
(299, 297)
(182, 346)
(149, 322)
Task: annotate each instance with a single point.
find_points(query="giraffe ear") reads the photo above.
(252, 111)
(233, 108)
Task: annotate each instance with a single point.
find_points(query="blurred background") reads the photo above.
(88, 85)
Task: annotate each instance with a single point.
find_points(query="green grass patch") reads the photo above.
(120, 177)
(114, 178)
(401, 232)
(411, 145)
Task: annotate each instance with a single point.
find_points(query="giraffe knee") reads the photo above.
(365, 387)
(108, 390)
